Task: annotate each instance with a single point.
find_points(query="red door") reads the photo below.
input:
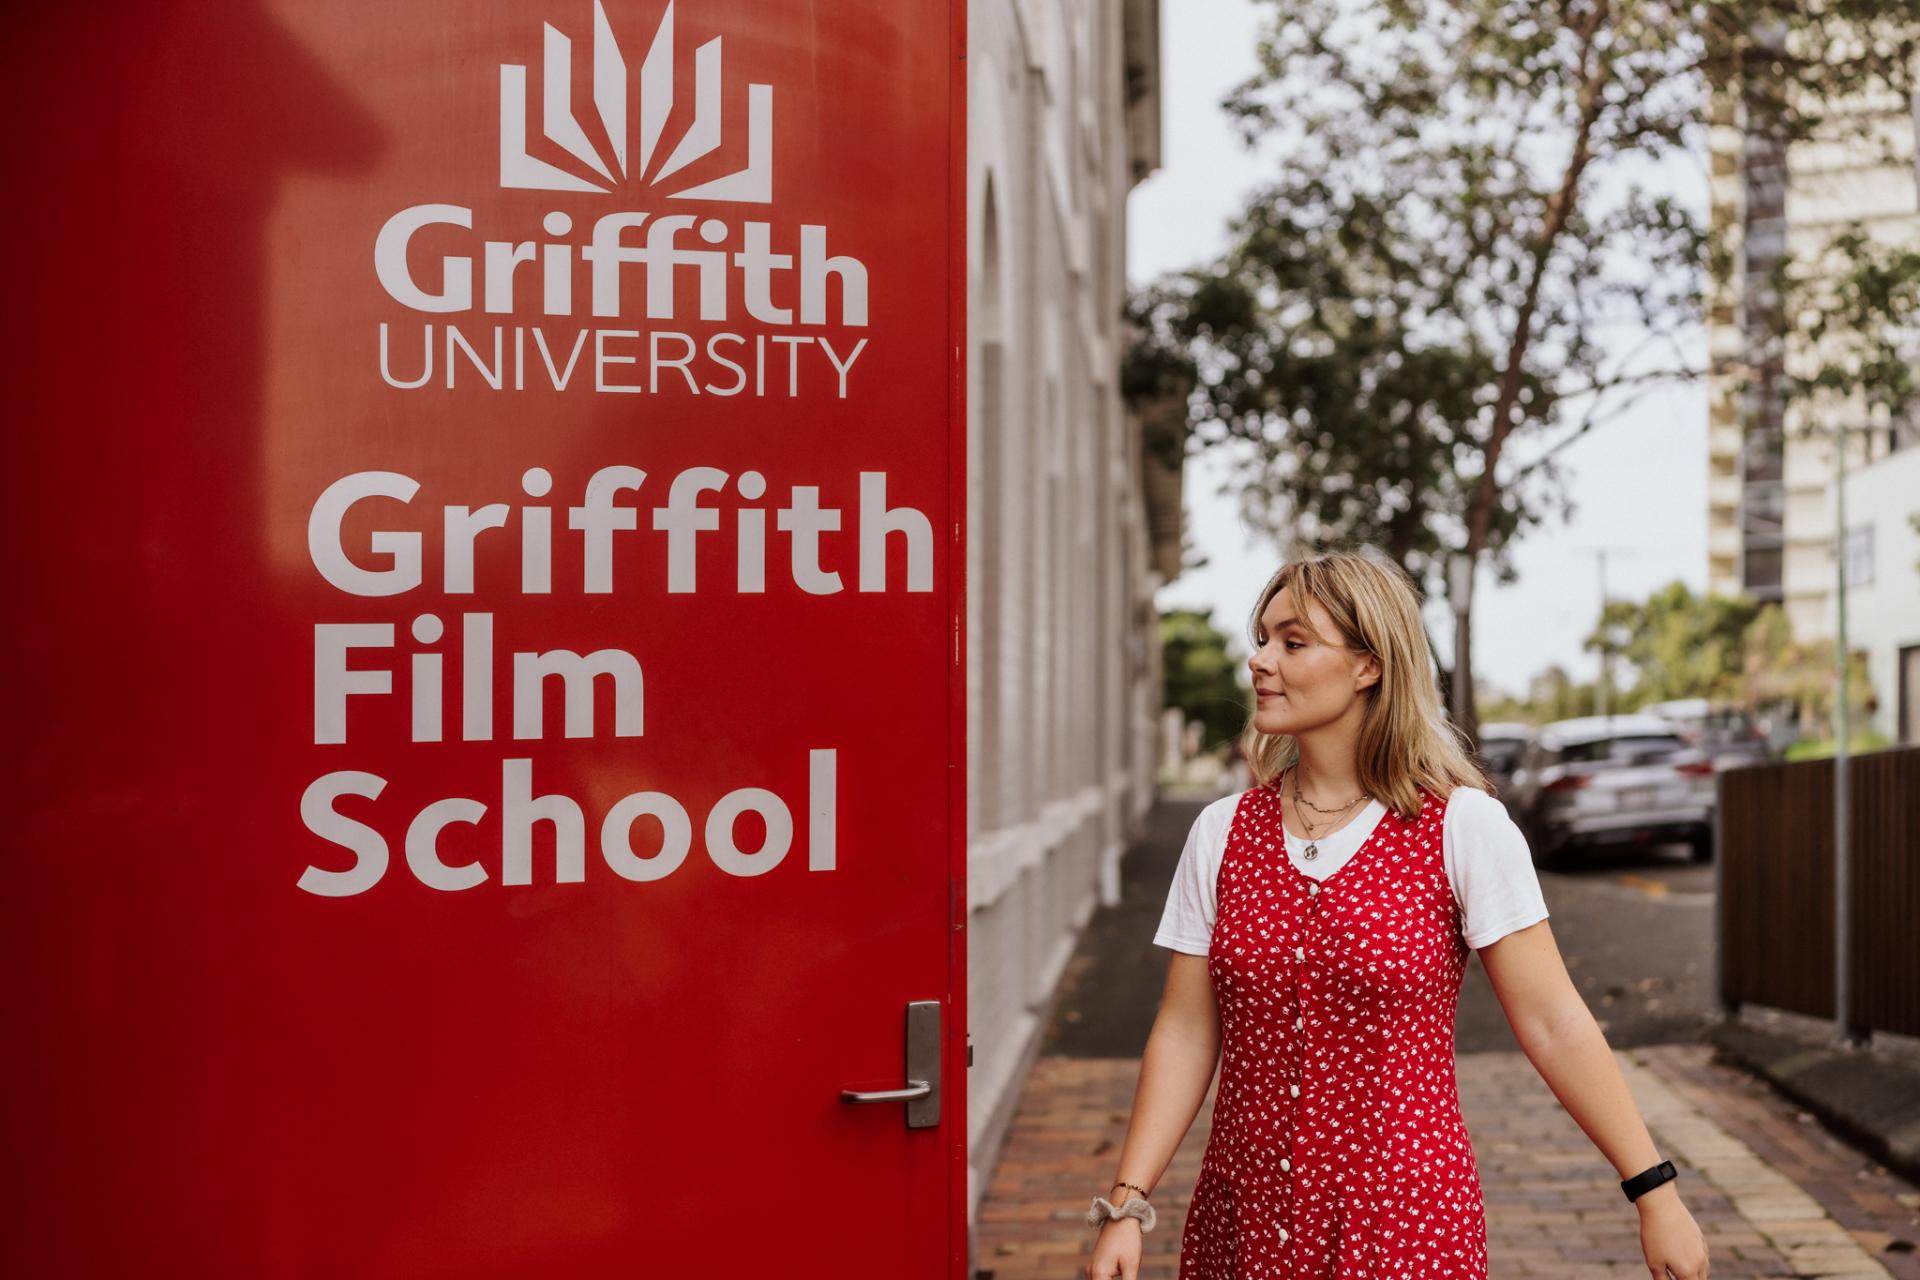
(482, 571)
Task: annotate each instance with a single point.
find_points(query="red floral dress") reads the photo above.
(1337, 1147)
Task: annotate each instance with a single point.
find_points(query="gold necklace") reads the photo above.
(1310, 804)
(1312, 850)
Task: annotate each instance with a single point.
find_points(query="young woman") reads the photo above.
(1320, 923)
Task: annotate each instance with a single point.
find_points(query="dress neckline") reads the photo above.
(1366, 842)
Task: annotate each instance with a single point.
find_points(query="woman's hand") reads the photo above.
(1669, 1237)
(1116, 1250)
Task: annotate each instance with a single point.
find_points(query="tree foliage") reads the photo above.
(1463, 244)
(1201, 677)
(1798, 676)
(1555, 695)
(1678, 645)
(1733, 652)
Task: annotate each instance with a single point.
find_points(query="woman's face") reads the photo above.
(1301, 683)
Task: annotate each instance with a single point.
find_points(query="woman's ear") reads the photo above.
(1368, 673)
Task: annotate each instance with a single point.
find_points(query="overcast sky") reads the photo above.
(1639, 485)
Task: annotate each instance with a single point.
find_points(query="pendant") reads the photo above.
(1312, 852)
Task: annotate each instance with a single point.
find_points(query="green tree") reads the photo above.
(1201, 677)
(1795, 677)
(1555, 695)
(1852, 338)
(1431, 275)
(1679, 645)
(1498, 704)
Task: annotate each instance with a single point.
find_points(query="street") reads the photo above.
(1636, 930)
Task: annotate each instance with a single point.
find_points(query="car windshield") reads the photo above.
(1621, 750)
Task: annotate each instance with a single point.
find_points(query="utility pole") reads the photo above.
(1603, 688)
(1842, 732)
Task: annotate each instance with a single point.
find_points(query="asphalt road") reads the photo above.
(1635, 928)
(1636, 932)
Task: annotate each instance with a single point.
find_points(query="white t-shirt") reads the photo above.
(1486, 857)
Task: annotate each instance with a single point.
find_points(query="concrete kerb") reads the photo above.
(1868, 1096)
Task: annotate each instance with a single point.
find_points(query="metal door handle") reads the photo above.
(915, 1089)
(922, 1094)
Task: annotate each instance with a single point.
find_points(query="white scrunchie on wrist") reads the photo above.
(1135, 1207)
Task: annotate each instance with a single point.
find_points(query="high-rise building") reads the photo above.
(1770, 486)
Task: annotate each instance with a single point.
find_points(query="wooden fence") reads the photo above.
(1776, 902)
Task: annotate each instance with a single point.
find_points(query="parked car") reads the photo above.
(1597, 781)
(1501, 745)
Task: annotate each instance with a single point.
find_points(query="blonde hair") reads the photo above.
(1406, 741)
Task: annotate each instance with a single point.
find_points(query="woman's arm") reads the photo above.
(1182, 1051)
(1560, 1038)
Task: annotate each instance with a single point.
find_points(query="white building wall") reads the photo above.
(1063, 678)
(1871, 182)
(1883, 612)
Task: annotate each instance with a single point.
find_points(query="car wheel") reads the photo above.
(1700, 848)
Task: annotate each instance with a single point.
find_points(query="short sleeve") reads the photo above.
(1490, 868)
(1187, 922)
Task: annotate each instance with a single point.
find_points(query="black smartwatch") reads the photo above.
(1641, 1183)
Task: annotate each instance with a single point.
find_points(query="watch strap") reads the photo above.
(1646, 1180)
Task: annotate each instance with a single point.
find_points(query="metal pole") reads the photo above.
(1460, 596)
(1604, 686)
(1842, 732)
(1728, 1008)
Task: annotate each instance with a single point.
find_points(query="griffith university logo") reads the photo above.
(611, 103)
(682, 297)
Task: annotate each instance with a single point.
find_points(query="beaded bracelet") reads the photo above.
(1131, 1187)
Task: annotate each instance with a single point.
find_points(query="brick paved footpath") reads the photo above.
(1775, 1194)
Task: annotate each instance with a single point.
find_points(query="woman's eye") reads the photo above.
(1295, 644)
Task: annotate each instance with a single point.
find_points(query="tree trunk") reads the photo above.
(1469, 717)
(1559, 209)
